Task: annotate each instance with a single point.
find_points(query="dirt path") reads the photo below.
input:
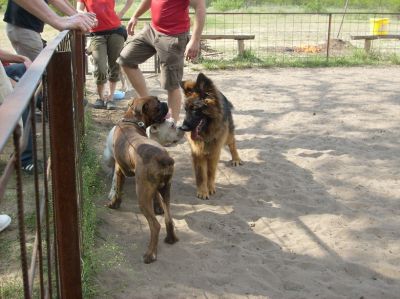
(313, 213)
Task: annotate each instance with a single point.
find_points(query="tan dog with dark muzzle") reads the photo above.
(136, 155)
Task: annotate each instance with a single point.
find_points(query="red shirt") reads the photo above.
(170, 17)
(105, 13)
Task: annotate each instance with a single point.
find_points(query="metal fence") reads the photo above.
(297, 35)
(291, 36)
(50, 253)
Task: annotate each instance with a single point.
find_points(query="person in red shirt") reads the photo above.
(107, 41)
(168, 37)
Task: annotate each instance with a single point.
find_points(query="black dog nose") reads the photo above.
(164, 107)
(184, 128)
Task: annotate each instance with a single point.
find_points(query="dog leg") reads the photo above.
(165, 192)
(200, 170)
(157, 205)
(116, 189)
(212, 163)
(145, 194)
(231, 142)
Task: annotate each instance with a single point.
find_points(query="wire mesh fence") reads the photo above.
(299, 35)
(294, 36)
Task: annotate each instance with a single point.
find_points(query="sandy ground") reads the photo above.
(313, 212)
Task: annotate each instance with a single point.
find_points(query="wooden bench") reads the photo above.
(369, 38)
(240, 38)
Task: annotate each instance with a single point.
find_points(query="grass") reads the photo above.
(91, 188)
(301, 5)
(358, 57)
(12, 288)
(11, 285)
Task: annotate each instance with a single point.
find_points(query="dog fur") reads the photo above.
(133, 154)
(166, 133)
(209, 120)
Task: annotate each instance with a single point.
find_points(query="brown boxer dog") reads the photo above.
(136, 155)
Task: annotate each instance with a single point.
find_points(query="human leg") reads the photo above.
(25, 41)
(15, 71)
(137, 80)
(98, 46)
(135, 52)
(174, 103)
(115, 43)
(170, 50)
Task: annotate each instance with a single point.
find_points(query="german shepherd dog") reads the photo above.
(209, 120)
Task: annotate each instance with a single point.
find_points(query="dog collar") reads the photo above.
(138, 123)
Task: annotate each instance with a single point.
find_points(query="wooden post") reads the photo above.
(63, 166)
(78, 65)
(240, 46)
(328, 41)
(367, 45)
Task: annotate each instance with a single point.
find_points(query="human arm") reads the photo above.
(63, 6)
(126, 7)
(193, 46)
(6, 56)
(142, 8)
(41, 10)
(80, 6)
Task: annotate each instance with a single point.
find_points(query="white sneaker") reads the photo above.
(5, 221)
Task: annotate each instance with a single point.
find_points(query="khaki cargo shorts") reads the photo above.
(170, 50)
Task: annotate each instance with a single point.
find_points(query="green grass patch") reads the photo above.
(91, 187)
(249, 60)
(13, 288)
(305, 5)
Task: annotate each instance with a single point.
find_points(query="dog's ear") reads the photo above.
(210, 102)
(204, 85)
(187, 87)
(138, 106)
(153, 129)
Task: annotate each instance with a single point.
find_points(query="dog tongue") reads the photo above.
(194, 135)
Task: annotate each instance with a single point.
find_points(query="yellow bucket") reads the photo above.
(379, 26)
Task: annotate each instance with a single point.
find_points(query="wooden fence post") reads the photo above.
(63, 164)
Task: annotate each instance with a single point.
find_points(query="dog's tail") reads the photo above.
(108, 155)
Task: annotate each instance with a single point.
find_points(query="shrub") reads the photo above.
(224, 5)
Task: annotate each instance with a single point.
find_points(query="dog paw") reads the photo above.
(149, 258)
(236, 162)
(171, 239)
(203, 195)
(211, 190)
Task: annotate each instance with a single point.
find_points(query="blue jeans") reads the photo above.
(16, 71)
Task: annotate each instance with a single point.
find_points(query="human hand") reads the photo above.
(192, 49)
(81, 21)
(131, 25)
(26, 61)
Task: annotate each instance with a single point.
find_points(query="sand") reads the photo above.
(313, 212)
